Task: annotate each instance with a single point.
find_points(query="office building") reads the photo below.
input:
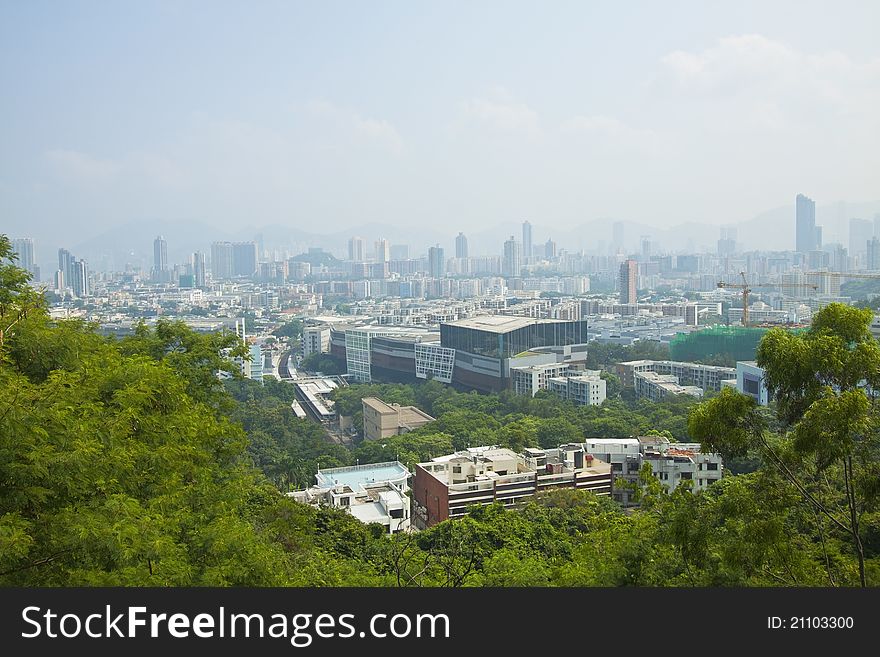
(80, 281)
(461, 246)
(550, 249)
(805, 229)
(487, 346)
(161, 274)
(446, 486)
(315, 340)
(375, 493)
(512, 260)
(626, 281)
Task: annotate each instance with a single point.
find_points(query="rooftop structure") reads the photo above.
(372, 493)
(446, 486)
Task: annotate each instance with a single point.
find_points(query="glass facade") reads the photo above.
(510, 343)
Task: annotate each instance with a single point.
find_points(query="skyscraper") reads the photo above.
(357, 249)
(512, 262)
(436, 262)
(873, 248)
(65, 266)
(627, 281)
(400, 251)
(461, 246)
(160, 260)
(383, 250)
(805, 228)
(244, 258)
(221, 260)
(80, 279)
(860, 231)
(727, 242)
(24, 249)
(198, 269)
(526, 241)
(550, 249)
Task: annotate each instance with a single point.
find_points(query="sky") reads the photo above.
(327, 115)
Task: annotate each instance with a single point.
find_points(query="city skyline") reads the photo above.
(654, 133)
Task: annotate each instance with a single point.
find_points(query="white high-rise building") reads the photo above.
(357, 249)
(526, 241)
(512, 261)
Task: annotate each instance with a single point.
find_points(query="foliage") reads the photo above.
(324, 363)
(823, 440)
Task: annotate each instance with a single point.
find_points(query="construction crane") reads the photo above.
(746, 289)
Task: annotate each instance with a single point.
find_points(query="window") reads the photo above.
(456, 469)
(687, 475)
(711, 466)
(617, 467)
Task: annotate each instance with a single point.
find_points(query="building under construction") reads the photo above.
(739, 342)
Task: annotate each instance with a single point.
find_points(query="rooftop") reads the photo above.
(499, 323)
(358, 477)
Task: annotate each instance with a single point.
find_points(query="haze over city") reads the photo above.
(438, 118)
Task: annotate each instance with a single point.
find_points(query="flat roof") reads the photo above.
(500, 323)
(357, 477)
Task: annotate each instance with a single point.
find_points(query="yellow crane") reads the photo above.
(746, 289)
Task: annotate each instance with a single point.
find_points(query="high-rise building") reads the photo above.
(357, 249)
(627, 281)
(526, 241)
(244, 258)
(198, 269)
(160, 260)
(65, 266)
(24, 248)
(727, 242)
(383, 250)
(80, 279)
(860, 231)
(805, 228)
(221, 260)
(461, 246)
(873, 247)
(436, 262)
(617, 237)
(512, 262)
(550, 249)
(647, 247)
(400, 251)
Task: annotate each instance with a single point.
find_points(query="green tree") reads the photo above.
(824, 439)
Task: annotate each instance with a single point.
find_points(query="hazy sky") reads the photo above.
(325, 115)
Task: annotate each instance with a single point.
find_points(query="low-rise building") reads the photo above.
(383, 420)
(671, 463)
(446, 486)
(373, 493)
(672, 377)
